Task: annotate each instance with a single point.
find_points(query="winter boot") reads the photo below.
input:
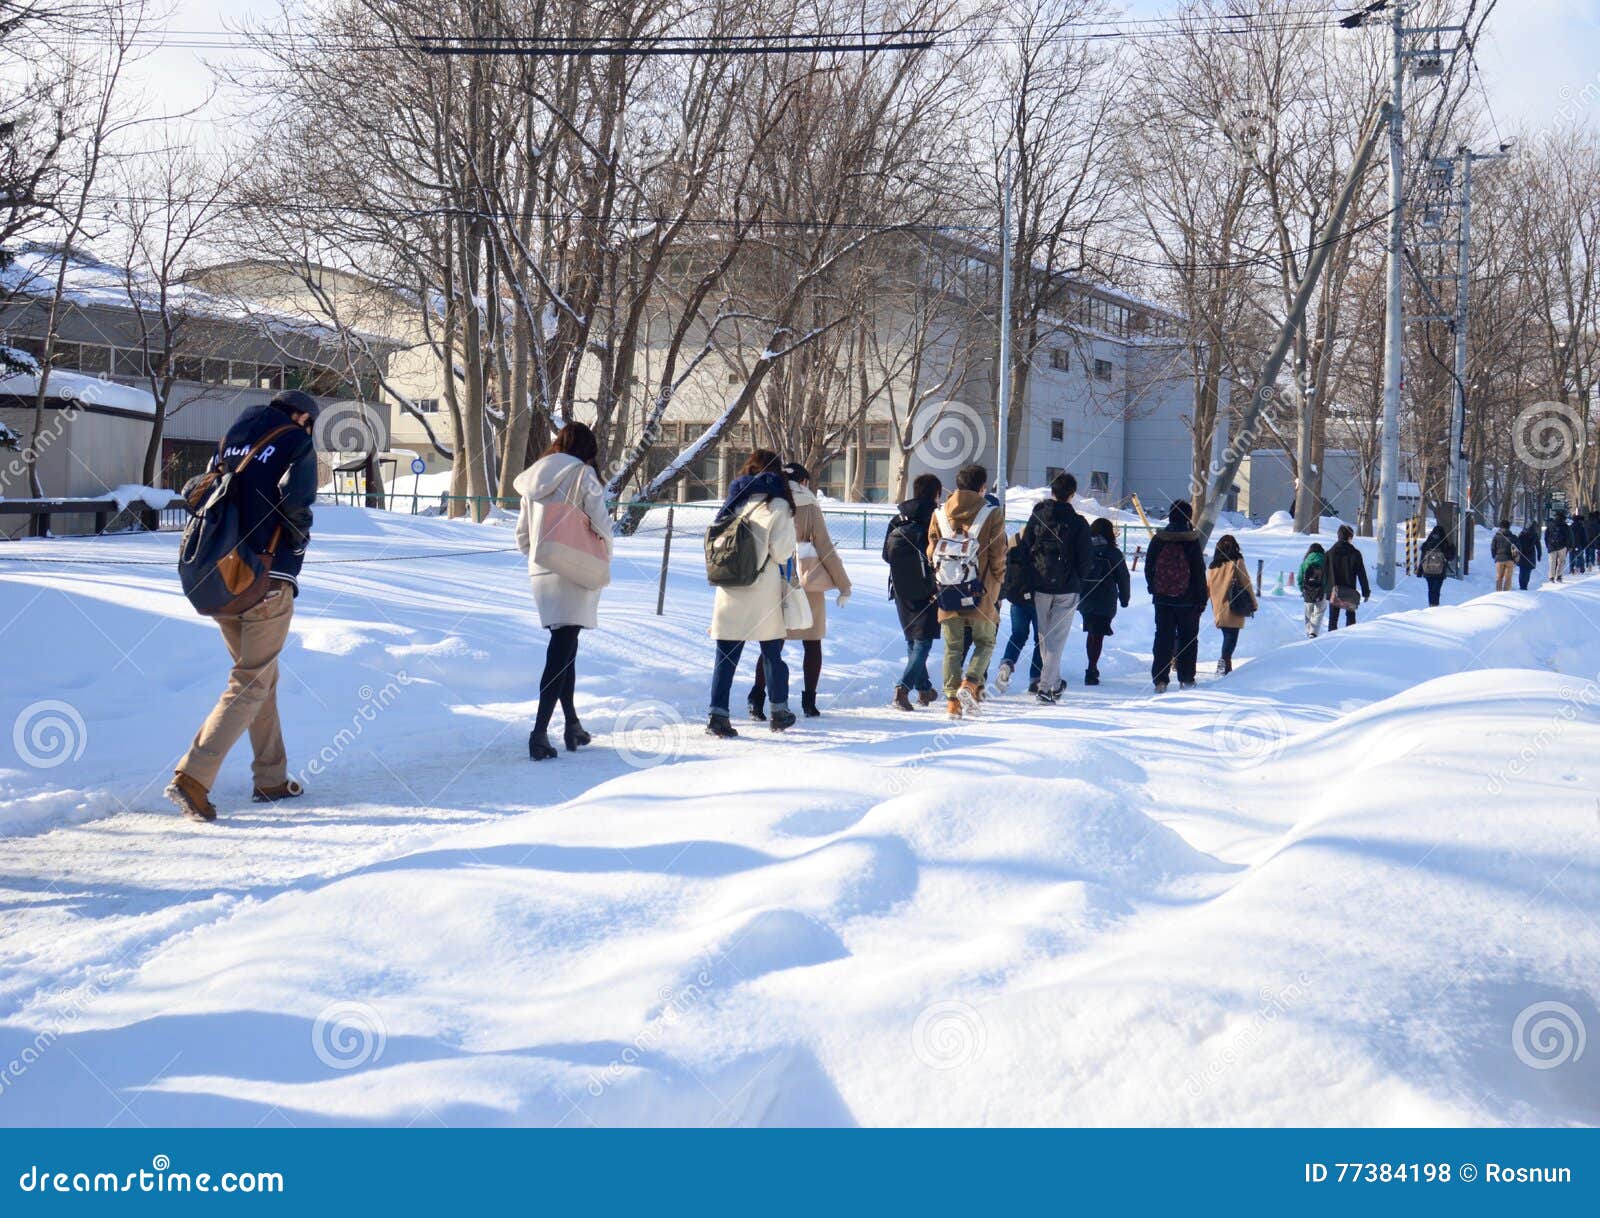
(539, 746)
(287, 789)
(1091, 676)
(1033, 687)
(926, 697)
(1002, 680)
(970, 694)
(719, 726)
(758, 708)
(1185, 684)
(808, 704)
(902, 699)
(1161, 687)
(782, 718)
(1222, 668)
(193, 800)
(1048, 697)
(575, 737)
(952, 707)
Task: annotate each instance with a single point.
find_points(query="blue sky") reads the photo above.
(1540, 58)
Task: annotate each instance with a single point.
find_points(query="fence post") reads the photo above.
(1138, 553)
(863, 530)
(666, 554)
(1260, 563)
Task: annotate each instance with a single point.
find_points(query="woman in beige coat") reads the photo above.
(1226, 573)
(821, 572)
(754, 613)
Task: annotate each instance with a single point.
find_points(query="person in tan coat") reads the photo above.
(964, 625)
(821, 572)
(1227, 572)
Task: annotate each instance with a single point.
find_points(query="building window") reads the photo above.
(1102, 369)
(1050, 472)
(94, 358)
(1058, 429)
(875, 488)
(734, 378)
(1099, 482)
(189, 368)
(269, 376)
(426, 405)
(242, 375)
(129, 361)
(1058, 359)
(214, 371)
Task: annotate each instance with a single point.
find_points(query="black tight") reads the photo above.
(557, 681)
(810, 671)
(1092, 644)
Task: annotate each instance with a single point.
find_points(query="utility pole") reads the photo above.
(1003, 396)
(1394, 329)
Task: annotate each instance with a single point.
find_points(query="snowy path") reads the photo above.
(1322, 891)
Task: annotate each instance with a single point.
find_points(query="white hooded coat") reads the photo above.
(560, 601)
(755, 613)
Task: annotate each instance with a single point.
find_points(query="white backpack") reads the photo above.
(957, 569)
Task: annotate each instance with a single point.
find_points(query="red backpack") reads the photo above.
(1169, 578)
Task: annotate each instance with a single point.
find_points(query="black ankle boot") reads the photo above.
(808, 704)
(718, 725)
(575, 736)
(758, 708)
(539, 746)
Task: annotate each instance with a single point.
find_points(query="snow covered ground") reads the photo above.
(1356, 882)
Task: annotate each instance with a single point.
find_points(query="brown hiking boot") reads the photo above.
(927, 696)
(970, 694)
(902, 699)
(953, 707)
(287, 789)
(193, 800)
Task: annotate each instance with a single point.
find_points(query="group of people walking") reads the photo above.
(772, 562)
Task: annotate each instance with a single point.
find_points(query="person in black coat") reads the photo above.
(1175, 574)
(1556, 540)
(905, 549)
(1017, 591)
(1591, 529)
(1347, 579)
(1105, 587)
(274, 493)
(1528, 553)
(1057, 541)
(1433, 564)
(1577, 544)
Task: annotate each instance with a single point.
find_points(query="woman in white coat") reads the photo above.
(566, 472)
(754, 613)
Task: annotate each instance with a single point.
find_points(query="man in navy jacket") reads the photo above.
(274, 492)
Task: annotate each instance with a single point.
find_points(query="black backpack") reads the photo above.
(1049, 555)
(221, 573)
(733, 558)
(910, 575)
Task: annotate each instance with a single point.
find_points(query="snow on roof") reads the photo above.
(91, 282)
(76, 387)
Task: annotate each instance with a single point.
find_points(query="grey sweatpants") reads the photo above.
(1054, 612)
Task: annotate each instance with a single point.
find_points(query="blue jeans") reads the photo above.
(727, 664)
(916, 675)
(1023, 622)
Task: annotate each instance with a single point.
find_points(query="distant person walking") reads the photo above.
(1433, 564)
(967, 547)
(1057, 541)
(1577, 543)
(1106, 586)
(272, 458)
(1016, 589)
(1233, 599)
(905, 549)
(1528, 553)
(761, 506)
(1503, 549)
(1314, 587)
(1175, 575)
(565, 474)
(821, 571)
(1347, 579)
(1556, 540)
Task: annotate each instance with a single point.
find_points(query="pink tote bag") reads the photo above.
(565, 543)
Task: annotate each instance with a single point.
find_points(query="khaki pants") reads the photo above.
(1558, 563)
(250, 703)
(1504, 573)
(954, 631)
